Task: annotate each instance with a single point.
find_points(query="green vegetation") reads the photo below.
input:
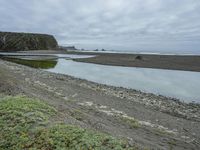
(70, 137)
(19, 118)
(160, 131)
(25, 124)
(172, 144)
(77, 114)
(43, 64)
(133, 123)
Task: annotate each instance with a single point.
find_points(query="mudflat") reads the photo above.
(173, 62)
(145, 120)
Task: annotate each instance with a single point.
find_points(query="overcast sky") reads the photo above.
(146, 25)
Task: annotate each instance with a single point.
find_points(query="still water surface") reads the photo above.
(183, 85)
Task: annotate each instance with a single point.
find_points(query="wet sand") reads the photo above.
(173, 62)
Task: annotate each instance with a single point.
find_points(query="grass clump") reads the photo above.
(25, 124)
(77, 114)
(133, 123)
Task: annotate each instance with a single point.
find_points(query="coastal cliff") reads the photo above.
(11, 41)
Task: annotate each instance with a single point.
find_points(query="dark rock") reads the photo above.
(138, 57)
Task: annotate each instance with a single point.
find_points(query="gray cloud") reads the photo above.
(148, 25)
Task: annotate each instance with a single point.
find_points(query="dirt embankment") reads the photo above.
(146, 120)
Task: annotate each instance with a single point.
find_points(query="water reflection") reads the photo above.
(179, 84)
(43, 64)
(43, 61)
(183, 85)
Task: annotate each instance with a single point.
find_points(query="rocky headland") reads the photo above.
(11, 41)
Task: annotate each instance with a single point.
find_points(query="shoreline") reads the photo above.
(100, 52)
(92, 84)
(171, 62)
(179, 100)
(120, 112)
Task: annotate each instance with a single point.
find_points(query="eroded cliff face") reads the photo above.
(10, 41)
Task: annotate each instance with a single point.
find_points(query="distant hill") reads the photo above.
(11, 41)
